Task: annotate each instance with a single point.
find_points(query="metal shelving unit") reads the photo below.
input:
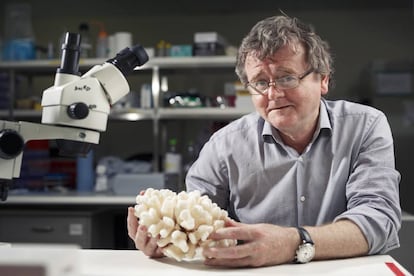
(155, 65)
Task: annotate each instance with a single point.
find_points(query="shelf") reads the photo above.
(71, 198)
(132, 114)
(159, 62)
(125, 114)
(21, 113)
(137, 114)
(202, 113)
(193, 62)
(46, 65)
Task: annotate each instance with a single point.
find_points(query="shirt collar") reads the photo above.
(323, 123)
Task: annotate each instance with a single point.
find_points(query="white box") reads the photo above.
(132, 184)
(39, 260)
(209, 37)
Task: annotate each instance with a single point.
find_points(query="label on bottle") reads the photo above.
(146, 96)
(172, 163)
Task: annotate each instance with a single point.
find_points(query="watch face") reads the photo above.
(305, 253)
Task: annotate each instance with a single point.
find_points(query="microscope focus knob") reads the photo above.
(78, 110)
(11, 144)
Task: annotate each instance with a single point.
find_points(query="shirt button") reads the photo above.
(302, 198)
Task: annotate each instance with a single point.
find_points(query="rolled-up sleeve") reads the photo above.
(372, 190)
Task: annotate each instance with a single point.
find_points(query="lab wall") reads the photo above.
(359, 35)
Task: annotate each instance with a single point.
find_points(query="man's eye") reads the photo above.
(261, 84)
(286, 79)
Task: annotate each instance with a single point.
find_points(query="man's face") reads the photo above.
(291, 111)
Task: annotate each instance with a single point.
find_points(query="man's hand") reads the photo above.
(262, 245)
(140, 236)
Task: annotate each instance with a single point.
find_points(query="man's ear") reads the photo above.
(324, 84)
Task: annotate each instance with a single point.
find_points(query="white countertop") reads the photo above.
(131, 263)
(69, 260)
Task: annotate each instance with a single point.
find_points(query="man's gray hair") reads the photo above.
(270, 34)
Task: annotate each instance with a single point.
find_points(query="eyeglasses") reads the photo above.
(286, 82)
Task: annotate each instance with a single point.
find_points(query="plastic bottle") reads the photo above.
(101, 183)
(159, 48)
(173, 167)
(19, 38)
(189, 157)
(146, 96)
(102, 44)
(86, 42)
(1, 49)
(50, 50)
(85, 173)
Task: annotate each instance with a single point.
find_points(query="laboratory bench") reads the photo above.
(98, 221)
(90, 220)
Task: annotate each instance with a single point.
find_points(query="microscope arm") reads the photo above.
(21, 132)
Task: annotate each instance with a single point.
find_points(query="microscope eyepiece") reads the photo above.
(70, 54)
(127, 59)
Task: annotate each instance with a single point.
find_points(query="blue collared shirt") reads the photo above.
(346, 172)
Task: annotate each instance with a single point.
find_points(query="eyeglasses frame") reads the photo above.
(273, 83)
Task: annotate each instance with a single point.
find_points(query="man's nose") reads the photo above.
(274, 92)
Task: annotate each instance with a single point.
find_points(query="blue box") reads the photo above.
(19, 49)
(181, 51)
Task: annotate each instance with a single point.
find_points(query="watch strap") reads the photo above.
(306, 249)
(304, 235)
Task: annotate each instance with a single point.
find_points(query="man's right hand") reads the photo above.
(142, 239)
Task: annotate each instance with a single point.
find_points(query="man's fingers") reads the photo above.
(141, 237)
(234, 233)
(231, 253)
(147, 244)
(132, 223)
(231, 223)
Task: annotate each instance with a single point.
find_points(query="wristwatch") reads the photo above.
(306, 249)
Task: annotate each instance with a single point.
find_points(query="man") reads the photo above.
(305, 178)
